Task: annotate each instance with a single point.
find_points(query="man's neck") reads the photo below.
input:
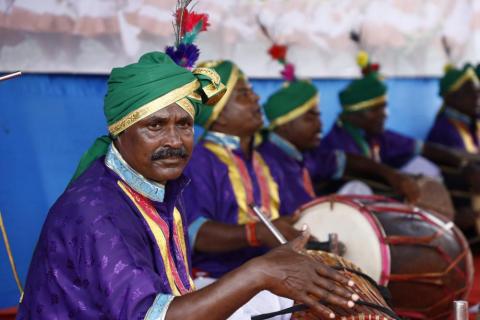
(246, 146)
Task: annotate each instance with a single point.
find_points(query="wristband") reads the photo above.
(251, 233)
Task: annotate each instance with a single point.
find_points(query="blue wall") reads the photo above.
(48, 121)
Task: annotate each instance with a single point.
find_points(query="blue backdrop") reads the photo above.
(48, 121)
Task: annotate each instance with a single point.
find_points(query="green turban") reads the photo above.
(363, 93)
(140, 89)
(454, 78)
(290, 102)
(229, 75)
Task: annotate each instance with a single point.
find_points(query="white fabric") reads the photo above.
(263, 302)
(421, 166)
(94, 36)
(355, 187)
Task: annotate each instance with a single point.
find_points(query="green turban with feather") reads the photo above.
(140, 89)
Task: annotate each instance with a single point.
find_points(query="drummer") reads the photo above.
(456, 126)
(227, 176)
(295, 128)
(360, 129)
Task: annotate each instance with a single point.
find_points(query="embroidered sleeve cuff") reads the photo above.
(158, 310)
(418, 147)
(194, 228)
(341, 158)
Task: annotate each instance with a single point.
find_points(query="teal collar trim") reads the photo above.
(285, 146)
(228, 141)
(457, 115)
(152, 190)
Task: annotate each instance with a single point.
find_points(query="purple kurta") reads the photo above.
(287, 166)
(96, 257)
(211, 196)
(394, 149)
(448, 128)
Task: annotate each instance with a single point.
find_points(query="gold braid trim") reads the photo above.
(295, 113)
(365, 104)
(153, 106)
(468, 75)
(232, 81)
(10, 256)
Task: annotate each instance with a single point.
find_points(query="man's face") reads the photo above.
(242, 113)
(303, 132)
(159, 146)
(466, 99)
(371, 120)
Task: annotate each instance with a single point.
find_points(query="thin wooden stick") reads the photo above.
(10, 75)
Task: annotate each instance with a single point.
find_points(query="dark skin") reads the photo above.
(372, 121)
(304, 133)
(240, 117)
(284, 271)
(466, 99)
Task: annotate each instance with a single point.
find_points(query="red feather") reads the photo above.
(278, 52)
(190, 20)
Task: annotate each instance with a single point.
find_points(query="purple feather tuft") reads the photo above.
(185, 55)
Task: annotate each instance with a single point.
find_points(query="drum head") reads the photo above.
(357, 229)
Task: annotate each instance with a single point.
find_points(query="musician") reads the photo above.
(227, 176)
(114, 245)
(456, 124)
(295, 129)
(456, 127)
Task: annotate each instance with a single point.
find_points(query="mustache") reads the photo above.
(166, 153)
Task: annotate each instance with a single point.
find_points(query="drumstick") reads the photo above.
(11, 75)
(268, 224)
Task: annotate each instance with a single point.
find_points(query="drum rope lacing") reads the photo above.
(302, 307)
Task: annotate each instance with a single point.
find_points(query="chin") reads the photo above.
(164, 174)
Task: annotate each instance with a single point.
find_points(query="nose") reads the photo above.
(172, 138)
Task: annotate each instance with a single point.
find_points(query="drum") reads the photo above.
(422, 258)
(371, 304)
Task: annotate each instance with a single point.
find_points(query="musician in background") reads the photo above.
(227, 176)
(457, 126)
(295, 129)
(360, 129)
(114, 245)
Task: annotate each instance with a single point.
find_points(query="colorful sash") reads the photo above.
(368, 150)
(465, 135)
(242, 183)
(162, 235)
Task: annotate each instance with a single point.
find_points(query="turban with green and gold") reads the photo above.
(229, 76)
(290, 102)
(454, 78)
(364, 93)
(140, 89)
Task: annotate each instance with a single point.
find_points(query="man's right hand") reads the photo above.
(284, 225)
(405, 185)
(290, 272)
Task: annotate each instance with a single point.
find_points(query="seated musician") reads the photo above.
(456, 127)
(295, 128)
(114, 245)
(360, 129)
(227, 176)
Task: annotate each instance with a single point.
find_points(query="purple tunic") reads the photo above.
(448, 129)
(287, 166)
(392, 148)
(96, 257)
(212, 195)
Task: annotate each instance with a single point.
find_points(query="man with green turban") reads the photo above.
(228, 177)
(360, 129)
(457, 126)
(290, 145)
(114, 245)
